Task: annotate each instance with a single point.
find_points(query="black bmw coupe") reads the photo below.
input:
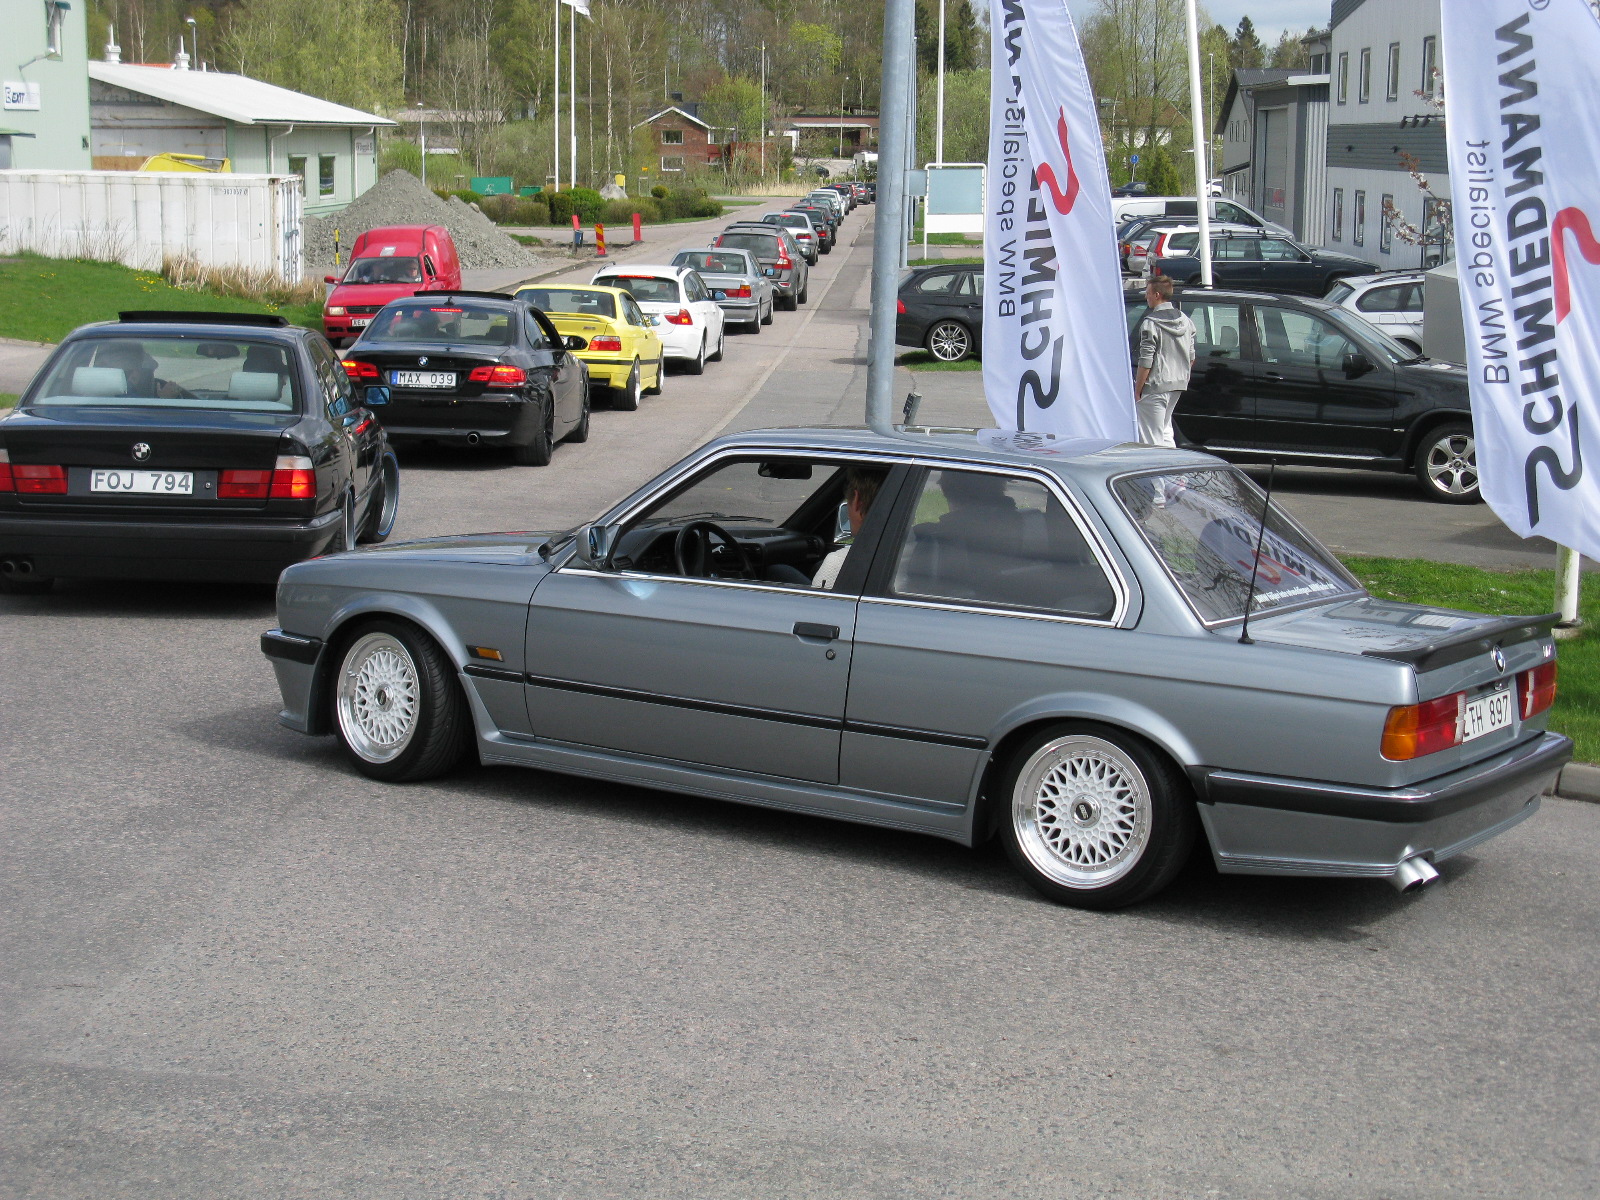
(189, 445)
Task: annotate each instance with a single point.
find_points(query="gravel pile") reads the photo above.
(399, 198)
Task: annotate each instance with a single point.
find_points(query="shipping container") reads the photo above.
(144, 218)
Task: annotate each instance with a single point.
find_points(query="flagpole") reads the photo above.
(1197, 118)
(555, 167)
(889, 212)
(938, 121)
(572, 89)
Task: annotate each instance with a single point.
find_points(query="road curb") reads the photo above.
(1579, 781)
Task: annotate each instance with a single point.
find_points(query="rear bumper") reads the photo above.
(1265, 825)
(609, 372)
(741, 310)
(90, 547)
(502, 423)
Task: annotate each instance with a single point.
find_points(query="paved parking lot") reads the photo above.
(233, 968)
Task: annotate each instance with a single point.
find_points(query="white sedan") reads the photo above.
(689, 321)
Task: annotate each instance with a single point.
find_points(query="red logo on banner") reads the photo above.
(1063, 200)
(1576, 220)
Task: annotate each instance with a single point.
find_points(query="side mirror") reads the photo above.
(769, 270)
(1356, 365)
(719, 294)
(573, 342)
(376, 396)
(593, 545)
(652, 319)
(329, 279)
(841, 523)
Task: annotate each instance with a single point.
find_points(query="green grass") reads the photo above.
(44, 299)
(1577, 710)
(921, 360)
(7, 400)
(939, 262)
(944, 239)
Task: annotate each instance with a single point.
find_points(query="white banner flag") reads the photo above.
(1525, 184)
(1055, 334)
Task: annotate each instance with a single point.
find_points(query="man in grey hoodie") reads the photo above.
(1166, 356)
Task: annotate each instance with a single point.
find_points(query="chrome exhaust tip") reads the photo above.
(16, 567)
(1413, 875)
(473, 439)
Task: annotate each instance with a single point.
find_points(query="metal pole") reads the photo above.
(763, 114)
(422, 128)
(555, 108)
(889, 212)
(1567, 586)
(938, 120)
(572, 89)
(914, 204)
(1197, 117)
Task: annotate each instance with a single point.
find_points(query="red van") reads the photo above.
(387, 264)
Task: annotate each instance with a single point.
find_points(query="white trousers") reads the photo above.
(1155, 417)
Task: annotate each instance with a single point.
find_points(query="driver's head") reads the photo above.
(861, 486)
(973, 489)
(129, 357)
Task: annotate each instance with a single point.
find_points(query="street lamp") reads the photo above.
(842, 82)
(194, 40)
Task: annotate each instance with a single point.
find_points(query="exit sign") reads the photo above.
(21, 96)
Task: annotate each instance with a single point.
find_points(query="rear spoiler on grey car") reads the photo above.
(1479, 639)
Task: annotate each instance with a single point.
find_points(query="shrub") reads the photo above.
(620, 212)
(562, 207)
(400, 156)
(538, 213)
(659, 192)
(589, 203)
(689, 202)
(465, 195)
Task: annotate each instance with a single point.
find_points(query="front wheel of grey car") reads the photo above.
(398, 712)
(1095, 818)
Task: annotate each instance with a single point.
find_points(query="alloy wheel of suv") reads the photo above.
(949, 341)
(1447, 464)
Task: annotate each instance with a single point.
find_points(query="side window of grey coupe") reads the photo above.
(979, 538)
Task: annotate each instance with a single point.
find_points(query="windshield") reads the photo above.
(1204, 527)
(421, 321)
(1339, 292)
(716, 264)
(587, 302)
(758, 243)
(226, 374)
(1392, 350)
(384, 270)
(647, 289)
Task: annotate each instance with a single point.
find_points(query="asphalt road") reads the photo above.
(230, 967)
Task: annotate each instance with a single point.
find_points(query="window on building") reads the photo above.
(325, 174)
(1385, 234)
(1358, 220)
(714, 137)
(672, 137)
(672, 164)
(1430, 62)
(1343, 83)
(1364, 84)
(297, 166)
(1338, 214)
(55, 19)
(1392, 80)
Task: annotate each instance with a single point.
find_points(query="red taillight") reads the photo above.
(31, 480)
(498, 375)
(610, 345)
(244, 485)
(681, 317)
(6, 485)
(292, 479)
(900, 307)
(1413, 730)
(785, 262)
(742, 291)
(1537, 689)
(360, 370)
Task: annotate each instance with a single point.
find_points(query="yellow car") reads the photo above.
(624, 352)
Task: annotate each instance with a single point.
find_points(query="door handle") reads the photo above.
(1271, 375)
(809, 629)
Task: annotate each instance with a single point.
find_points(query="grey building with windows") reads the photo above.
(1273, 125)
(1385, 113)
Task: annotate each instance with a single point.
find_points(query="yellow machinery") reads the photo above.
(186, 162)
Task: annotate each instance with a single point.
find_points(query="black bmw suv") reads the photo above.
(1304, 382)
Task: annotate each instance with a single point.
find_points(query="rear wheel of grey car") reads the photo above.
(398, 711)
(767, 320)
(537, 452)
(626, 397)
(949, 341)
(1447, 464)
(1094, 817)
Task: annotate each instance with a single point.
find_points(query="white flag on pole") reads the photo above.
(1055, 337)
(1525, 187)
(581, 5)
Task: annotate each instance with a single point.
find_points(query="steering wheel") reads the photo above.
(691, 550)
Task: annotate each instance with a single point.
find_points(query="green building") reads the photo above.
(44, 115)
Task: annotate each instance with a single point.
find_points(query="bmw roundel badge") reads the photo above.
(1499, 659)
(141, 451)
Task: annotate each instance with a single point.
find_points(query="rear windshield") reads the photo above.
(228, 374)
(1204, 526)
(1182, 242)
(647, 288)
(760, 243)
(791, 221)
(384, 270)
(424, 321)
(725, 264)
(583, 301)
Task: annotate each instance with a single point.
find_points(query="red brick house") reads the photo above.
(683, 141)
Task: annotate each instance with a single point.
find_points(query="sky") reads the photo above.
(1271, 17)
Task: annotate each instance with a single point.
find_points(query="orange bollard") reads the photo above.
(599, 240)
(638, 228)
